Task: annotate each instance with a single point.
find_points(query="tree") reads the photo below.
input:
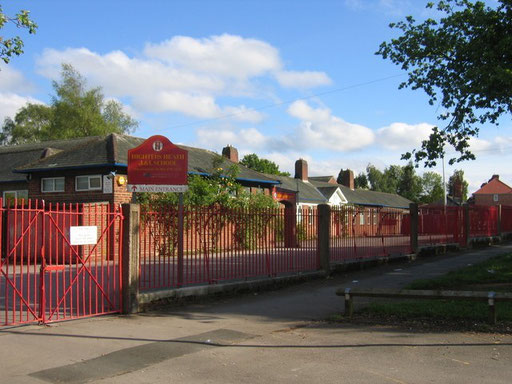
(361, 181)
(409, 184)
(74, 111)
(404, 181)
(262, 165)
(457, 186)
(432, 188)
(29, 125)
(13, 46)
(463, 61)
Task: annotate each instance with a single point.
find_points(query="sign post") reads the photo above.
(157, 165)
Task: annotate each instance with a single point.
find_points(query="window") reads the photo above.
(361, 218)
(11, 195)
(495, 197)
(88, 183)
(52, 184)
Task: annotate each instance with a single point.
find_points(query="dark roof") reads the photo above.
(328, 191)
(112, 151)
(363, 196)
(308, 193)
(15, 156)
(323, 179)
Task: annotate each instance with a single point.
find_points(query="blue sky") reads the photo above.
(283, 79)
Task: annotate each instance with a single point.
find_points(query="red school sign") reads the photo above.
(157, 165)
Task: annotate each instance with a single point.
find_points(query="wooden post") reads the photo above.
(324, 237)
(349, 303)
(413, 214)
(130, 255)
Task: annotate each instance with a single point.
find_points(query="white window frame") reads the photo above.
(15, 192)
(495, 197)
(53, 178)
(100, 177)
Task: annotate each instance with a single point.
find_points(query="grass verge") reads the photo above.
(491, 275)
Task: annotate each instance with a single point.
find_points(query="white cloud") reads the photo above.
(245, 140)
(402, 136)
(305, 79)
(225, 55)
(320, 129)
(12, 80)
(499, 145)
(184, 74)
(10, 103)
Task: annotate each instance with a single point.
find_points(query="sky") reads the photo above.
(282, 79)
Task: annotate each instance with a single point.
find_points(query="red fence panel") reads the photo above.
(506, 219)
(363, 233)
(441, 225)
(222, 244)
(46, 274)
(483, 221)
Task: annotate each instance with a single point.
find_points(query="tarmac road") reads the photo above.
(260, 338)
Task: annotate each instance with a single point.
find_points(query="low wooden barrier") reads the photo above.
(491, 297)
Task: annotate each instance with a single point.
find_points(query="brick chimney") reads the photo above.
(347, 178)
(457, 189)
(301, 169)
(230, 153)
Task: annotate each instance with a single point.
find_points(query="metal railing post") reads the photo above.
(324, 237)
(413, 214)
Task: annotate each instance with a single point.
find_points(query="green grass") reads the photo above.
(491, 275)
(439, 309)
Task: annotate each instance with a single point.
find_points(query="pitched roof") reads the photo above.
(15, 156)
(324, 179)
(307, 193)
(112, 151)
(366, 197)
(494, 187)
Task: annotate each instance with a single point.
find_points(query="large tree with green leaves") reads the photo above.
(262, 165)
(13, 46)
(432, 188)
(463, 61)
(404, 181)
(409, 184)
(74, 111)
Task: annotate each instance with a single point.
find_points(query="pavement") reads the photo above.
(263, 337)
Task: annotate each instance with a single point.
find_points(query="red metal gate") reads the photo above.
(59, 262)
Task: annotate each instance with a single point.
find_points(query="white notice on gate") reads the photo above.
(83, 235)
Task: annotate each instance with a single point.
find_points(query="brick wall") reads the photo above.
(484, 199)
(21, 185)
(70, 195)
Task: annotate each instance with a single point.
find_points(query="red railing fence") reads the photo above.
(59, 261)
(224, 244)
(363, 233)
